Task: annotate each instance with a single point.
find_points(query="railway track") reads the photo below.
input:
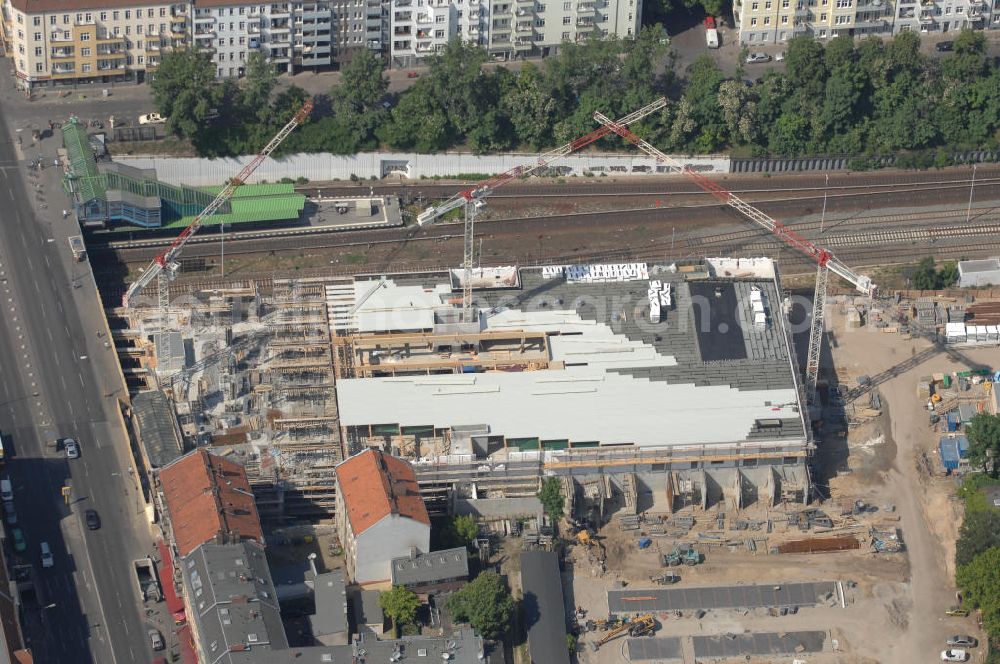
(287, 237)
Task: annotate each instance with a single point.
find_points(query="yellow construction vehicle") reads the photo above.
(638, 626)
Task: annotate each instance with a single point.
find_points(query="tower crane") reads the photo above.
(825, 260)
(472, 198)
(165, 266)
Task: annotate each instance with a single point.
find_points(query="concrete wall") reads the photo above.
(390, 538)
(320, 167)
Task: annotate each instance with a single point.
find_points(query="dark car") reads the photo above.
(945, 46)
(93, 520)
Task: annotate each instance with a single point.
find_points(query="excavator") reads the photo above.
(638, 626)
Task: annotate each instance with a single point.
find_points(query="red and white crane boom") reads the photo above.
(487, 187)
(826, 261)
(164, 265)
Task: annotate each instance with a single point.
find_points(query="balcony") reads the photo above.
(501, 10)
(501, 36)
(62, 53)
(907, 12)
(253, 28)
(524, 12)
(425, 47)
(521, 45)
(59, 37)
(280, 26)
(204, 32)
(586, 9)
(178, 28)
(63, 70)
(474, 30)
(403, 16)
(104, 51)
(151, 47)
(862, 23)
(178, 18)
(585, 23)
(373, 22)
(111, 66)
(526, 3)
(279, 10)
(425, 19)
(402, 31)
(203, 18)
(523, 28)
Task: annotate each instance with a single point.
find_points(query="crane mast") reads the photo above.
(164, 267)
(825, 260)
(472, 198)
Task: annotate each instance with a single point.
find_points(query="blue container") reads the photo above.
(645, 542)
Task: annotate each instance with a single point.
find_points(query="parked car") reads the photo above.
(20, 545)
(155, 640)
(9, 513)
(412, 74)
(711, 33)
(945, 46)
(957, 611)
(963, 641)
(954, 655)
(93, 520)
(6, 489)
(47, 559)
(780, 56)
(72, 448)
(758, 58)
(151, 118)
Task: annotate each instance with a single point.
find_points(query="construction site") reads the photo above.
(679, 404)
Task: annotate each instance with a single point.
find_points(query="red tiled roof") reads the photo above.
(375, 485)
(175, 605)
(207, 495)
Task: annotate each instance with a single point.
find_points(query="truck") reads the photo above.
(711, 32)
(146, 580)
(78, 248)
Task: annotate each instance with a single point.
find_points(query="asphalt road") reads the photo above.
(57, 380)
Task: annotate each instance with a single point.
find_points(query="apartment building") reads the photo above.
(66, 41)
(508, 29)
(762, 22)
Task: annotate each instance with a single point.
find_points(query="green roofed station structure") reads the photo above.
(111, 195)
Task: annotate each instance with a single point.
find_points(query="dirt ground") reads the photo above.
(895, 612)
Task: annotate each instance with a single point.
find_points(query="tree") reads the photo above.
(485, 603)
(980, 531)
(530, 107)
(983, 433)
(258, 84)
(980, 583)
(925, 277)
(465, 527)
(551, 498)
(400, 605)
(949, 274)
(185, 90)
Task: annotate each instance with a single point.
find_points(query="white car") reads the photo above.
(47, 559)
(758, 58)
(72, 448)
(780, 56)
(954, 655)
(151, 118)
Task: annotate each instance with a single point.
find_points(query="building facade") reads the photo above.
(380, 515)
(763, 22)
(508, 29)
(57, 41)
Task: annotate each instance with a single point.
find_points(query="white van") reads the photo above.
(6, 490)
(47, 560)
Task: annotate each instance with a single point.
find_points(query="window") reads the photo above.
(540, 8)
(38, 67)
(767, 20)
(20, 18)
(84, 36)
(128, 14)
(767, 5)
(843, 20)
(784, 20)
(565, 36)
(163, 11)
(114, 15)
(222, 42)
(754, 6)
(138, 29)
(20, 49)
(150, 29)
(89, 18)
(37, 21)
(822, 17)
(52, 20)
(243, 40)
(20, 34)
(38, 51)
(753, 21)
(567, 6)
(66, 35)
(65, 19)
(439, 34)
(85, 68)
(104, 16)
(86, 52)
(149, 13)
(139, 59)
(567, 20)
(784, 4)
(439, 18)
(118, 31)
(38, 36)
(959, 10)
(128, 29)
(79, 18)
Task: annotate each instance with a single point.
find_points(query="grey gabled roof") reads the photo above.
(234, 600)
(544, 611)
(427, 568)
